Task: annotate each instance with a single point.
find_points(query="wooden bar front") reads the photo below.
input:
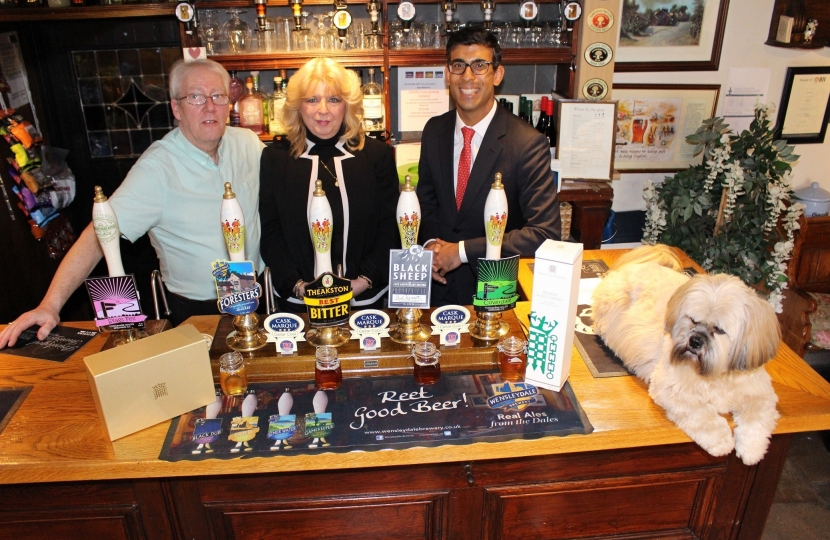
(636, 475)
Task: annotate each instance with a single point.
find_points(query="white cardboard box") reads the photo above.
(556, 274)
(150, 380)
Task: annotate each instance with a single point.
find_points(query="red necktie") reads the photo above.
(464, 166)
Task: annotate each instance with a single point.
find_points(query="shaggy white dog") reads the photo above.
(699, 343)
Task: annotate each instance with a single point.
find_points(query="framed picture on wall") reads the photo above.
(685, 37)
(805, 105)
(653, 121)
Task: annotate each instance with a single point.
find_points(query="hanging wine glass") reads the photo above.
(237, 32)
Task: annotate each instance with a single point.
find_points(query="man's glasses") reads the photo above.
(200, 99)
(478, 67)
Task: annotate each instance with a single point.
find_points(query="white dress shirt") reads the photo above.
(458, 145)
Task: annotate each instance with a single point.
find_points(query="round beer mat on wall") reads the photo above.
(600, 20)
(595, 89)
(598, 54)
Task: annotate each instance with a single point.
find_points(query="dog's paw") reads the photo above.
(750, 445)
(716, 438)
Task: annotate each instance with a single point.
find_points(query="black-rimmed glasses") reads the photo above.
(195, 98)
(478, 67)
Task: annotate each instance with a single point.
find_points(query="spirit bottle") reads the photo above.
(373, 109)
(237, 90)
(262, 95)
(276, 102)
(250, 109)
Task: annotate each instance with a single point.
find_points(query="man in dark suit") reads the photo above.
(461, 151)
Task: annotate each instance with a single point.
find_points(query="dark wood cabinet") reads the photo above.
(126, 510)
(673, 491)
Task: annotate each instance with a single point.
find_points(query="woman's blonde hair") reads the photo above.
(338, 81)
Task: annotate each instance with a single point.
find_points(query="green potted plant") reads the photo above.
(732, 213)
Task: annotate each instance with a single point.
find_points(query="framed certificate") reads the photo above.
(805, 105)
(586, 139)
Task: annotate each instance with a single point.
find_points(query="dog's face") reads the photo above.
(720, 324)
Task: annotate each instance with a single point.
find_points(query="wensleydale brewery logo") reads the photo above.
(512, 396)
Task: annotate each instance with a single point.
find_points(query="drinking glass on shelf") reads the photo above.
(267, 37)
(397, 37)
(209, 30)
(416, 35)
(237, 32)
(283, 26)
(438, 39)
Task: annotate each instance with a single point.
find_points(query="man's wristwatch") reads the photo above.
(368, 281)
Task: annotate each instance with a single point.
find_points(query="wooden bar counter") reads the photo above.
(636, 475)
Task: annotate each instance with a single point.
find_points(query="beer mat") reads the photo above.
(601, 361)
(61, 343)
(10, 399)
(591, 268)
(373, 413)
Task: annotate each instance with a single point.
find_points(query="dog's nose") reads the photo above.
(696, 342)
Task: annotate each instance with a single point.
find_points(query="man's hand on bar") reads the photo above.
(445, 259)
(46, 318)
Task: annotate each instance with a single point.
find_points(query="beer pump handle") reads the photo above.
(495, 218)
(321, 228)
(408, 214)
(233, 225)
(105, 223)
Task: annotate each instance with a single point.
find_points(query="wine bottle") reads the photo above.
(551, 131)
(276, 102)
(373, 109)
(542, 124)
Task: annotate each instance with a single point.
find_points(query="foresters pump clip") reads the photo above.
(105, 223)
(233, 225)
(321, 228)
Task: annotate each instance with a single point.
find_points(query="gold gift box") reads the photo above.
(151, 380)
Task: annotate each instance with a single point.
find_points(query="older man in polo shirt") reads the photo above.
(174, 194)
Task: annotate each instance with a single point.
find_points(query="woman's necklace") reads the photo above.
(329, 171)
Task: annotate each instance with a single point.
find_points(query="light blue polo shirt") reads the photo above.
(174, 193)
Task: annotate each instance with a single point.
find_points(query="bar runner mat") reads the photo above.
(61, 343)
(370, 414)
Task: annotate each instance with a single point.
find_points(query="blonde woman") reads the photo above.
(323, 116)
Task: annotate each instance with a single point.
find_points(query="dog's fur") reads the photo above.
(699, 343)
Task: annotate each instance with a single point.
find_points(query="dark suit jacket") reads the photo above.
(522, 155)
(371, 184)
